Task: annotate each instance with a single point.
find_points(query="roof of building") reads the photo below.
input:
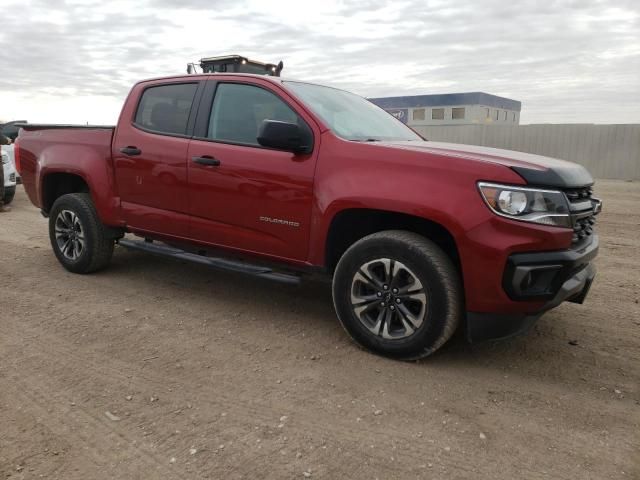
(448, 99)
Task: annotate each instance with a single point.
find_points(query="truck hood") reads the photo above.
(535, 169)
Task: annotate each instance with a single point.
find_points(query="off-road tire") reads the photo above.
(98, 243)
(428, 263)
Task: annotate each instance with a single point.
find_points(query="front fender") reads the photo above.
(430, 186)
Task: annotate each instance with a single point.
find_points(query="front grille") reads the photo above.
(12, 177)
(583, 228)
(578, 194)
(583, 215)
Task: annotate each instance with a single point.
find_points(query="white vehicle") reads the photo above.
(11, 130)
(9, 167)
(9, 150)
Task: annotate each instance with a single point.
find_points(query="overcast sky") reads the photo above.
(567, 61)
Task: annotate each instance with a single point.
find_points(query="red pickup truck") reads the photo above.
(279, 178)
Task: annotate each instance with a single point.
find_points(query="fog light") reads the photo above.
(526, 282)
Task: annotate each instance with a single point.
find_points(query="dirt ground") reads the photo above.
(155, 369)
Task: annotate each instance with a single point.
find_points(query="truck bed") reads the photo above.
(77, 145)
(61, 126)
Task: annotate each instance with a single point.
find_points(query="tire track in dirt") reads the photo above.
(262, 413)
(63, 349)
(70, 352)
(233, 409)
(88, 428)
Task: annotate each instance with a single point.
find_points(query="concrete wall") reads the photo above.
(608, 151)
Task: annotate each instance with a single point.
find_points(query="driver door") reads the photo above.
(242, 195)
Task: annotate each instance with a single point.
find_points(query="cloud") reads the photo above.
(567, 61)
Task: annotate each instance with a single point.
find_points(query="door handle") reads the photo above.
(131, 151)
(207, 161)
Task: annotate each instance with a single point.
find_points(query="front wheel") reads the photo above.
(398, 294)
(79, 240)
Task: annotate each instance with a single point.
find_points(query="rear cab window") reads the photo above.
(165, 109)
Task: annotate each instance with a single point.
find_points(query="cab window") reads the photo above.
(239, 110)
(166, 108)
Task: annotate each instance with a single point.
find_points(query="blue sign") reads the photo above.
(401, 114)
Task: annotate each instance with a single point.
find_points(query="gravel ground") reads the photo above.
(163, 370)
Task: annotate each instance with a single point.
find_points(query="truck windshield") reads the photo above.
(350, 116)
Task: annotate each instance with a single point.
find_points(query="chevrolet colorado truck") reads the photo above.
(280, 178)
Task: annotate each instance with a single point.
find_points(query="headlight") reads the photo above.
(513, 203)
(548, 207)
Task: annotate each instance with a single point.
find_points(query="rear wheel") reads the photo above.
(9, 193)
(79, 240)
(398, 294)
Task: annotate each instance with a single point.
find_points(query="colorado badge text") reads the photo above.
(280, 221)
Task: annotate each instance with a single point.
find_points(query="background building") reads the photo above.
(475, 108)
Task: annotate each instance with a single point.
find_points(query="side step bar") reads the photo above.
(214, 262)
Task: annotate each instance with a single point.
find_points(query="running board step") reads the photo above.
(214, 262)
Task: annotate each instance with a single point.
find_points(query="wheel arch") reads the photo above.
(350, 225)
(56, 184)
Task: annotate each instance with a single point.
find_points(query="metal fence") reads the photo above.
(608, 151)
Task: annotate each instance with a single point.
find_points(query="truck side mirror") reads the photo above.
(285, 136)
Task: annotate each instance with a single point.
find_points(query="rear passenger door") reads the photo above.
(150, 156)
